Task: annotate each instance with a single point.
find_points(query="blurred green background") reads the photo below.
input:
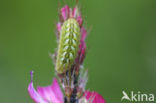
(121, 52)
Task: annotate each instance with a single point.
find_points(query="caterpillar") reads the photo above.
(68, 45)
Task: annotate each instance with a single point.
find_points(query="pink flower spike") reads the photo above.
(65, 11)
(94, 97)
(79, 20)
(49, 94)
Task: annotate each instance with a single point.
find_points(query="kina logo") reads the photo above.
(137, 97)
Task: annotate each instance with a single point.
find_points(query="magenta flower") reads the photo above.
(53, 94)
(68, 61)
(49, 94)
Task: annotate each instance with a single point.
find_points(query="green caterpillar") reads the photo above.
(68, 45)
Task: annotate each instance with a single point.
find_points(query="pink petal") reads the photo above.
(82, 46)
(51, 93)
(75, 12)
(94, 97)
(33, 93)
(59, 27)
(82, 52)
(79, 20)
(83, 33)
(65, 11)
(57, 90)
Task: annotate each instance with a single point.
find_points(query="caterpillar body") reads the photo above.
(68, 45)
